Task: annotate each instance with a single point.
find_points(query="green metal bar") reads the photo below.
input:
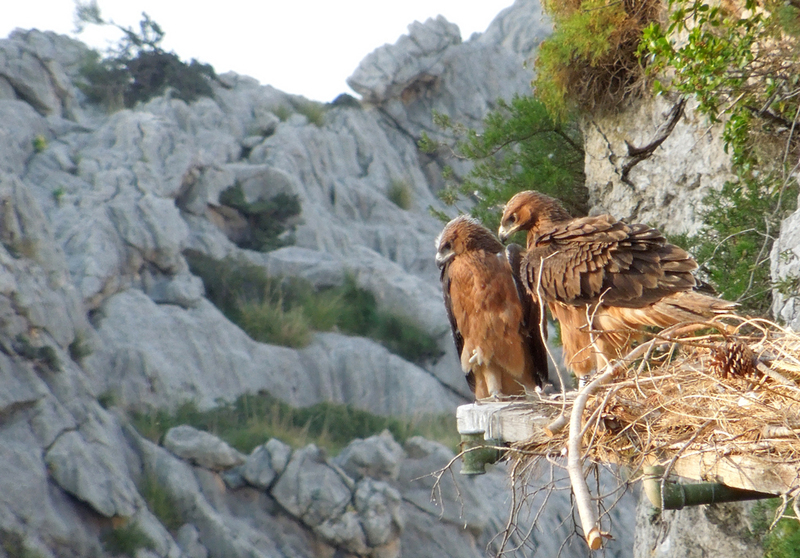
(678, 495)
(477, 452)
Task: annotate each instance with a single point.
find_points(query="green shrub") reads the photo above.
(253, 419)
(783, 541)
(267, 219)
(285, 311)
(283, 112)
(44, 353)
(13, 545)
(39, 143)
(79, 349)
(400, 194)
(734, 244)
(139, 69)
(314, 111)
(590, 62)
(126, 540)
(58, 193)
(520, 148)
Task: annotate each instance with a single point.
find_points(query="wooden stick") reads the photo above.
(583, 498)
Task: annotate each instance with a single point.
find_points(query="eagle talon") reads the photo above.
(477, 357)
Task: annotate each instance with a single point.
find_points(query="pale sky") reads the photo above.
(301, 47)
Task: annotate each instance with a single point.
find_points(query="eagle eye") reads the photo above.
(512, 218)
(446, 245)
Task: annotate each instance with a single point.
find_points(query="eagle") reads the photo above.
(495, 323)
(603, 279)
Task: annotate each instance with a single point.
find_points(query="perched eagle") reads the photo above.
(603, 278)
(495, 323)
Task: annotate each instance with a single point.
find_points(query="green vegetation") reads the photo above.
(79, 348)
(160, 502)
(742, 66)
(13, 545)
(267, 219)
(783, 541)
(126, 540)
(58, 193)
(520, 148)
(286, 311)
(253, 419)
(314, 111)
(44, 354)
(39, 143)
(590, 62)
(138, 69)
(400, 194)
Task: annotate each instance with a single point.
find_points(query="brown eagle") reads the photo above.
(604, 280)
(495, 323)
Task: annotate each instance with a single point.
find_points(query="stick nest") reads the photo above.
(731, 389)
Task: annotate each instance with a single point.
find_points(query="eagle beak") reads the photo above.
(504, 232)
(443, 257)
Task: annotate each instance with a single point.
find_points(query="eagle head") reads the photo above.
(463, 234)
(530, 210)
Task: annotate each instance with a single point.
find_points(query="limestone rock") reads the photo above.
(390, 69)
(660, 192)
(279, 454)
(378, 507)
(91, 473)
(377, 457)
(695, 531)
(366, 375)
(19, 126)
(188, 539)
(32, 68)
(201, 448)
(785, 269)
(258, 470)
(310, 489)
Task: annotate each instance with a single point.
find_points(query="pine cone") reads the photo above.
(732, 359)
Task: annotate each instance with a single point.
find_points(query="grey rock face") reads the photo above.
(715, 530)
(785, 269)
(201, 448)
(258, 470)
(32, 69)
(310, 489)
(390, 69)
(660, 192)
(378, 457)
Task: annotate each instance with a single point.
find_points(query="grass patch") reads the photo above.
(126, 540)
(399, 193)
(287, 311)
(160, 502)
(251, 420)
(783, 541)
(314, 111)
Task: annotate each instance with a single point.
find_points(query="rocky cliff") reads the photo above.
(98, 303)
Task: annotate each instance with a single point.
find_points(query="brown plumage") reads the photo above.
(495, 324)
(600, 272)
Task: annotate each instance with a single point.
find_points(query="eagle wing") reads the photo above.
(533, 334)
(599, 258)
(458, 338)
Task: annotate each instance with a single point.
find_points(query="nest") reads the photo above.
(731, 390)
